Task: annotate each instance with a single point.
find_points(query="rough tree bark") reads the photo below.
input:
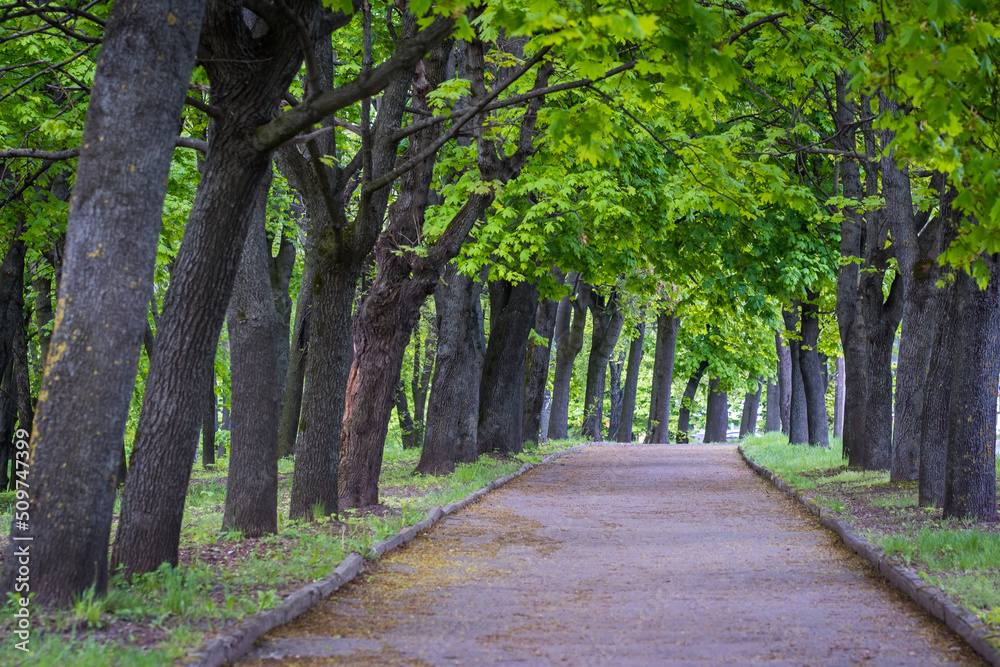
(110, 253)
(403, 416)
(812, 374)
(687, 402)
(616, 395)
(567, 348)
(208, 425)
(970, 484)
(608, 320)
(658, 429)
(254, 325)
(536, 371)
(631, 383)
(512, 310)
(751, 404)
(798, 427)
(784, 380)
(716, 413)
(772, 413)
(453, 405)
(291, 396)
(249, 76)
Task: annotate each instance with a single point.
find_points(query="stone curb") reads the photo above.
(965, 623)
(233, 646)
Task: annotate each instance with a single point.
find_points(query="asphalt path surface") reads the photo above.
(636, 555)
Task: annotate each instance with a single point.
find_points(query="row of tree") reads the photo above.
(741, 168)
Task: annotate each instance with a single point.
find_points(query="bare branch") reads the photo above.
(202, 106)
(70, 153)
(773, 18)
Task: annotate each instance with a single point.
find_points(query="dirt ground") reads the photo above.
(639, 555)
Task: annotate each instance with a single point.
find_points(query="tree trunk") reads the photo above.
(658, 430)
(838, 400)
(208, 426)
(631, 383)
(608, 320)
(784, 382)
(254, 325)
(567, 348)
(280, 268)
(291, 397)
(616, 396)
(687, 402)
(8, 423)
(106, 285)
(882, 318)
(798, 427)
(248, 93)
(751, 403)
(970, 484)
(403, 416)
(772, 414)
(536, 372)
(812, 375)
(423, 368)
(42, 286)
(512, 310)
(453, 407)
(716, 413)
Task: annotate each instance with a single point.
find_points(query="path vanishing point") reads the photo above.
(637, 555)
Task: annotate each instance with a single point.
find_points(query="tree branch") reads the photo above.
(773, 18)
(70, 153)
(292, 122)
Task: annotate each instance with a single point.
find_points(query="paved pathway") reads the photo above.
(641, 555)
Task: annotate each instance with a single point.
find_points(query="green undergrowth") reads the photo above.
(962, 558)
(160, 617)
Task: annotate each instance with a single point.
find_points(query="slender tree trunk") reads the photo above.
(566, 350)
(208, 426)
(716, 413)
(106, 284)
(403, 415)
(812, 375)
(291, 398)
(658, 430)
(254, 325)
(8, 422)
(453, 408)
(784, 382)
(772, 414)
(616, 396)
(631, 384)
(536, 373)
(42, 286)
(838, 400)
(512, 310)
(882, 319)
(280, 268)
(798, 428)
(248, 93)
(751, 403)
(423, 367)
(970, 483)
(608, 320)
(687, 402)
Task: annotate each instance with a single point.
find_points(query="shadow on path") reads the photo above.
(640, 555)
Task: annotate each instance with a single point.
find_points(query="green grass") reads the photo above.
(181, 605)
(960, 557)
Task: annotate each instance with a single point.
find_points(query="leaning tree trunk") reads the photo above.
(812, 375)
(784, 380)
(453, 406)
(608, 320)
(687, 402)
(716, 413)
(248, 94)
(798, 427)
(658, 430)
(254, 325)
(566, 350)
(536, 371)
(512, 310)
(631, 384)
(107, 280)
(751, 403)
